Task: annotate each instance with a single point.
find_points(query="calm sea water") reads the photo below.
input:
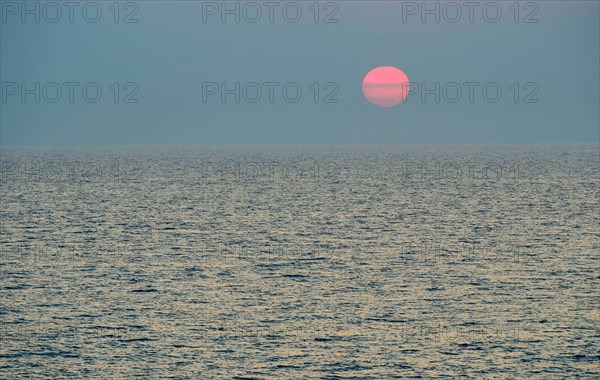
(290, 263)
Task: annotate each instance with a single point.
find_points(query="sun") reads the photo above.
(385, 86)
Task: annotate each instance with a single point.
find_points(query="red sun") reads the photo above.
(385, 86)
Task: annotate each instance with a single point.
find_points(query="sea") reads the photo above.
(300, 262)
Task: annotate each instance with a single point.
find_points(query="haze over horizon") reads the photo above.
(175, 59)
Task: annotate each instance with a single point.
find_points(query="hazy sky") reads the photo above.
(170, 60)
